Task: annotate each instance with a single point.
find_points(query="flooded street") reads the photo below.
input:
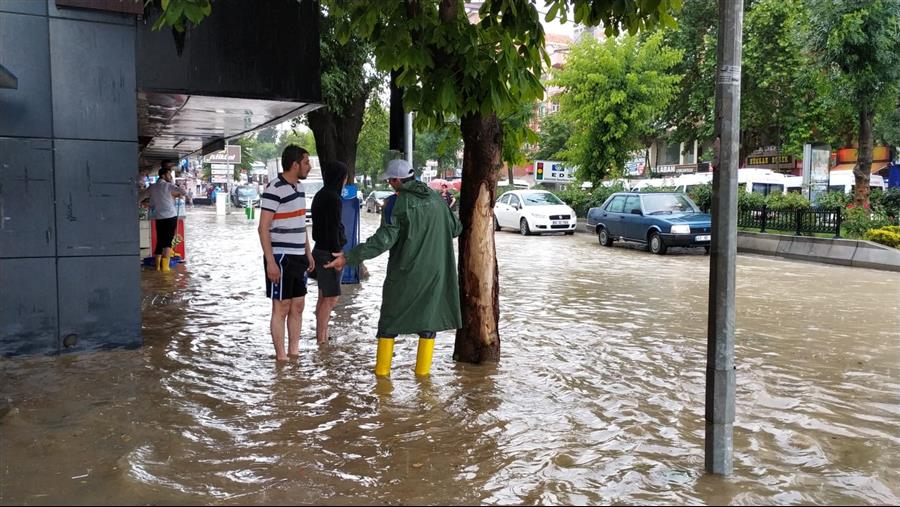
(598, 399)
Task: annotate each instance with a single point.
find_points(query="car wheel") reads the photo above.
(656, 244)
(496, 224)
(603, 236)
(523, 227)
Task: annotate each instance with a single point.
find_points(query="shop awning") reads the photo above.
(876, 166)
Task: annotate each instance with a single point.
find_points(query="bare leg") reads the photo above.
(323, 315)
(295, 322)
(280, 310)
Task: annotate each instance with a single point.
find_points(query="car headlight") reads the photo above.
(681, 229)
(538, 215)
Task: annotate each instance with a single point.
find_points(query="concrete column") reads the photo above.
(69, 264)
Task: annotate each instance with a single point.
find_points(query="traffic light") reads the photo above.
(539, 174)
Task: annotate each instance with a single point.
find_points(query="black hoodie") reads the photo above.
(328, 229)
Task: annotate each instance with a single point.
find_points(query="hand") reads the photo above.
(312, 263)
(339, 261)
(273, 271)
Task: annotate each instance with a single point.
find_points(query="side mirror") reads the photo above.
(636, 211)
(516, 206)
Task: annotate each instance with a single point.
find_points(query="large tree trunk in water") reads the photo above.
(863, 168)
(478, 340)
(337, 136)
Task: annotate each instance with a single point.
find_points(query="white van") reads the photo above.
(844, 181)
(761, 181)
(687, 182)
(840, 181)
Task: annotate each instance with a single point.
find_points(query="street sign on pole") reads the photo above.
(816, 170)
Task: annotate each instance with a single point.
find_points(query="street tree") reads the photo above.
(348, 79)
(552, 137)
(302, 138)
(516, 134)
(440, 144)
(614, 93)
(373, 140)
(690, 114)
(786, 101)
(859, 44)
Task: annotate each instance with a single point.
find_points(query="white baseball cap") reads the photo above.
(398, 168)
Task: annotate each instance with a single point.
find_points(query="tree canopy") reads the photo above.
(615, 92)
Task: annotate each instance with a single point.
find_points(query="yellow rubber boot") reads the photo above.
(158, 262)
(423, 356)
(165, 264)
(383, 357)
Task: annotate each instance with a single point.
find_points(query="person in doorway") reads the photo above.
(421, 289)
(447, 196)
(330, 238)
(287, 257)
(162, 201)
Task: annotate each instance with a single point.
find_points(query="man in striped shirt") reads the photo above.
(286, 252)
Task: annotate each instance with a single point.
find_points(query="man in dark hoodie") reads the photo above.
(328, 234)
(421, 290)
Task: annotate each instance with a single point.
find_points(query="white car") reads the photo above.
(533, 212)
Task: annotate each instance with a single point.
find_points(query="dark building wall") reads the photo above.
(68, 150)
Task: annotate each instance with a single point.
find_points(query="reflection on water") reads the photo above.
(599, 397)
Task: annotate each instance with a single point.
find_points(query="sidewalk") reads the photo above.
(845, 252)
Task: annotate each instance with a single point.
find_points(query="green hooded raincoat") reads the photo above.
(421, 289)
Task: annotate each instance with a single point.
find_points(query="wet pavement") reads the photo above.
(598, 398)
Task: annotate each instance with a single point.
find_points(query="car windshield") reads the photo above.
(540, 199)
(247, 192)
(659, 204)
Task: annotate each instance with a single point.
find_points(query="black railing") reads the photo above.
(813, 220)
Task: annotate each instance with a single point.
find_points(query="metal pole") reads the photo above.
(720, 383)
(408, 134)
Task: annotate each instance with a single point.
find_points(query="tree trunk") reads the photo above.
(510, 170)
(863, 167)
(337, 136)
(478, 340)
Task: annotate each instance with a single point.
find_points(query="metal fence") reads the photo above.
(813, 220)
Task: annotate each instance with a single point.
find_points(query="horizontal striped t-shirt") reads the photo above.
(288, 229)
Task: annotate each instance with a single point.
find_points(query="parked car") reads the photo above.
(533, 211)
(243, 195)
(375, 201)
(658, 220)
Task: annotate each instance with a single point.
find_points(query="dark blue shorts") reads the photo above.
(292, 283)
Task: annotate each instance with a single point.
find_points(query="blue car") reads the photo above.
(657, 220)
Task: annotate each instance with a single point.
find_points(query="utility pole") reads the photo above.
(720, 369)
(400, 137)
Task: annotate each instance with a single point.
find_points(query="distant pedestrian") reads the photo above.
(447, 196)
(162, 201)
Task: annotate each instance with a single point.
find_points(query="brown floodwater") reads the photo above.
(598, 398)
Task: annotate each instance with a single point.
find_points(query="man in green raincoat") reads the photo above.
(421, 289)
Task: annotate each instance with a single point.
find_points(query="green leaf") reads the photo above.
(551, 14)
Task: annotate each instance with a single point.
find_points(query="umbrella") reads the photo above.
(437, 183)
